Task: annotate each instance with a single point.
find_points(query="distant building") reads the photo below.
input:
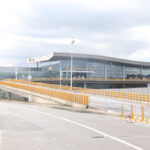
(18, 72)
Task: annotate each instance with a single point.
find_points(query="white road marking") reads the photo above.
(89, 128)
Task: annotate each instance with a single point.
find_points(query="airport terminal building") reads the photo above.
(92, 70)
(93, 67)
(89, 66)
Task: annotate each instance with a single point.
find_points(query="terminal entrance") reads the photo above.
(79, 75)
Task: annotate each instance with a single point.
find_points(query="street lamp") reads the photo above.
(29, 79)
(60, 74)
(29, 76)
(72, 43)
(16, 72)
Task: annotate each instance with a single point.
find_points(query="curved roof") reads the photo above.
(55, 56)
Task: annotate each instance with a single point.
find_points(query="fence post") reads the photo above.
(122, 113)
(132, 114)
(142, 113)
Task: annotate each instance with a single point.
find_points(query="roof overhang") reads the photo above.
(56, 56)
(40, 59)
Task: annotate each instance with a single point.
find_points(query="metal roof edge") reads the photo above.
(87, 56)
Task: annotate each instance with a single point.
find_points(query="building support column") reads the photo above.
(85, 85)
(105, 71)
(37, 65)
(0, 93)
(9, 95)
(25, 99)
(148, 85)
(30, 98)
(140, 69)
(67, 71)
(123, 72)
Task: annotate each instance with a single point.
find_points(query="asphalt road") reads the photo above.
(34, 127)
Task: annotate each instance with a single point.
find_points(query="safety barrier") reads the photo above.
(139, 97)
(134, 118)
(91, 79)
(54, 86)
(76, 98)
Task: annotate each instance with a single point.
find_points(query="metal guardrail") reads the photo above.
(54, 86)
(92, 79)
(139, 97)
(75, 98)
(133, 116)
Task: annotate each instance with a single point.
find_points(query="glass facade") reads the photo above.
(132, 70)
(81, 69)
(114, 70)
(91, 69)
(96, 70)
(145, 71)
(19, 72)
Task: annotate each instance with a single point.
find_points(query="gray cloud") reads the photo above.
(51, 25)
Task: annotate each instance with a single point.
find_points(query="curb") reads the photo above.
(69, 108)
(137, 119)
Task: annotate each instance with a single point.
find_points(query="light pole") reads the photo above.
(72, 43)
(29, 76)
(60, 74)
(16, 72)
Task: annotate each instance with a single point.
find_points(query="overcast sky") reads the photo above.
(31, 28)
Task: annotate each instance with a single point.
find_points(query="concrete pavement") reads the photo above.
(114, 105)
(108, 103)
(33, 127)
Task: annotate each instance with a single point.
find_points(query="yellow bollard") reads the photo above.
(122, 113)
(131, 96)
(132, 114)
(142, 113)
